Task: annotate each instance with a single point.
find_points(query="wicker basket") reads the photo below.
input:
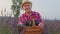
(32, 29)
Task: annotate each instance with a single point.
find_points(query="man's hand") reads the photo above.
(41, 26)
(20, 27)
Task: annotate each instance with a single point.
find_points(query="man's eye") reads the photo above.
(27, 5)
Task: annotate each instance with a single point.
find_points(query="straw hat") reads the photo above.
(24, 2)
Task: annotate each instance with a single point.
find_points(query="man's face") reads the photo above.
(27, 7)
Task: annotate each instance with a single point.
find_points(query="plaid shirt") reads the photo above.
(34, 15)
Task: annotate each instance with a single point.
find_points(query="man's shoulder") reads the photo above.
(22, 15)
(34, 12)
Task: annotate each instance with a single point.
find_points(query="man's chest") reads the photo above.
(30, 17)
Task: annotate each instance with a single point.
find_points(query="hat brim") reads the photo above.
(25, 3)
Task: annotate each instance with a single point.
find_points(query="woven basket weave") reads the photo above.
(32, 29)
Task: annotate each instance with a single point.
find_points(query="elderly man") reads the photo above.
(25, 18)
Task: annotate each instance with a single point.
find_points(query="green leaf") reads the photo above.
(16, 8)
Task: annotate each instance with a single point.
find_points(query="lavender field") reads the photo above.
(8, 25)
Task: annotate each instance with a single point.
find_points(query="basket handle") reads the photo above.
(33, 22)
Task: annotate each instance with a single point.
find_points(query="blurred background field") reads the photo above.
(8, 25)
(49, 9)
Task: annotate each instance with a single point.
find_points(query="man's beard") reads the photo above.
(27, 8)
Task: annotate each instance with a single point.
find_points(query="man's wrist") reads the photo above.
(40, 25)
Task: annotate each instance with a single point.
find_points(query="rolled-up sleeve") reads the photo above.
(20, 20)
(39, 18)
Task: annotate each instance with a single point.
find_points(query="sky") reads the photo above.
(49, 9)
